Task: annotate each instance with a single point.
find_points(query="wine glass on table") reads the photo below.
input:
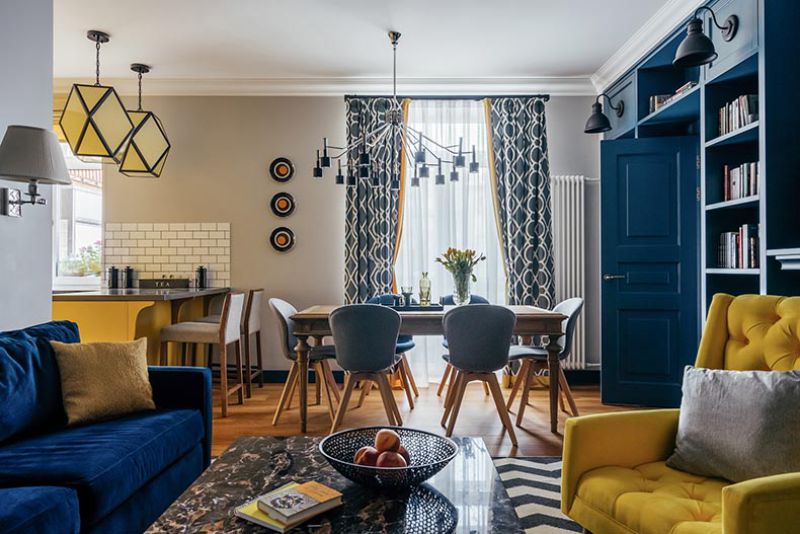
(407, 292)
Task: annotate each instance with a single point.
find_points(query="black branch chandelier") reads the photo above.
(420, 150)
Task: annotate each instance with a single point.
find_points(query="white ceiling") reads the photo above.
(346, 39)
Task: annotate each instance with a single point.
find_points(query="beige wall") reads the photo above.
(217, 171)
(26, 96)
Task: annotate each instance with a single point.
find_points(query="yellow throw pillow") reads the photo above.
(103, 380)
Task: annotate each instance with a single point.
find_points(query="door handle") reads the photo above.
(610, 277)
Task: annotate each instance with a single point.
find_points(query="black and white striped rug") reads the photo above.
(534, 486)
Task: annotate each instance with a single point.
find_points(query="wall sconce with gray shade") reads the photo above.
(598, 122)
(696, 48)
(31, 155)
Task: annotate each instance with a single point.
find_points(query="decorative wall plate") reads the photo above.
(282, 239)
(282, 204)
(281, 169)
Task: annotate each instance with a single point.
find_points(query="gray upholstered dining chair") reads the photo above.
(365, 336)
(222, 333)
(479, 338)
(319, 356)
(404, 344)
(535, 358)
(448, 300)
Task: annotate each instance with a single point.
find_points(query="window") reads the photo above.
(78, 224)
(458, 214)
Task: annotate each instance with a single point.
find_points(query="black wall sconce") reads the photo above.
(598, 122)
(696, 48)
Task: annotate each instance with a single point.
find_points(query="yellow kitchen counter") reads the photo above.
(128, 314)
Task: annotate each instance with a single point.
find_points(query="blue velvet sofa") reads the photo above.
(112, 476)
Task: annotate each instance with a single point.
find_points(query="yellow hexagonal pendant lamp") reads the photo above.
(94, 121)
(148, 147)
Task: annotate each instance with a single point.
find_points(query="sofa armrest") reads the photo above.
(625, 439)
(762, 506)
(185, 388)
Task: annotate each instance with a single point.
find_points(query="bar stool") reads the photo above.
(479, 339)
(251, 326)
(223, 333)
(365, 336)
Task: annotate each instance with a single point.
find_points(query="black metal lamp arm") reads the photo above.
(619, 109)
(728, 29)
(34, 197)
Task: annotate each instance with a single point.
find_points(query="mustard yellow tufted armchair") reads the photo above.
(614, 476)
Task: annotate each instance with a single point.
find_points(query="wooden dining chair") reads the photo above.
(534, 359)
(319, 356)
(222, 334)
(479, 338)
(365, 336)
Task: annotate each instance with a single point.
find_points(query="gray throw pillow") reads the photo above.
(738, 425)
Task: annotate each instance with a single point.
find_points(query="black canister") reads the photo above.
(202, 277)
(130, 273)
(113, 278)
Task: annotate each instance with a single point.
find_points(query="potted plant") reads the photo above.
(461, 263)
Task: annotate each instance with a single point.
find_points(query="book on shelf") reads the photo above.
(738, 113)
(289, 506)
(740, 181)
(659, 101)
(739, 250)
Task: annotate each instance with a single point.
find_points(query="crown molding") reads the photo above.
(660, 25)
(578, 85)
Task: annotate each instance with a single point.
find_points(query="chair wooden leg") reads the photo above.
(223, 377)
(461, 386)
(455, 377)
(320, 374)
(317, 390)
(239, 371)
(502, 411)
(410, 375)
(520, 378)
(526, 389)
(164, 352)
(248, 367)
(485, 389)
(288, 387)
(406, 384)
(260, 360)
(331, 379)
(562, 378)
(389, 405)
(443, 381)
(366, 385)
(349, 382)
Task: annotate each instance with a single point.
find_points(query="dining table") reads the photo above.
(313, 322)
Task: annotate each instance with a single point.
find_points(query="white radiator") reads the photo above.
(569, 253)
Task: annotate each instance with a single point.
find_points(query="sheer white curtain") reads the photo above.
(458, 214)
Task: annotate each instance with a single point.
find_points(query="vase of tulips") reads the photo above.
(461, 263)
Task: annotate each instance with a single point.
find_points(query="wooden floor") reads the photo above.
(478, 417)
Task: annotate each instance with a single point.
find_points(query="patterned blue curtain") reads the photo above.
(371, 211)
(522, 174)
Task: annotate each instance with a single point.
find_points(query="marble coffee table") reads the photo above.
(466, 496)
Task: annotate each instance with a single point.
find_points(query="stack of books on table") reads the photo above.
(740, 181)
(739, 250)
(290, 505)
(738, 113)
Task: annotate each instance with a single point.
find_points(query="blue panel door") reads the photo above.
(650, 268)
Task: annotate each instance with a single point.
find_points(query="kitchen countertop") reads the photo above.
(122, 295)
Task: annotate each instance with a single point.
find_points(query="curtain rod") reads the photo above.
(544, 97)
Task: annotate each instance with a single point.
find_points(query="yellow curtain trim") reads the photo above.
(401, 195)
(487, 106)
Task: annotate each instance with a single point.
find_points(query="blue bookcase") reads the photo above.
(761, 60)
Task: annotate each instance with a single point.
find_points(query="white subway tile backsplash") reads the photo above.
(164, 249)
